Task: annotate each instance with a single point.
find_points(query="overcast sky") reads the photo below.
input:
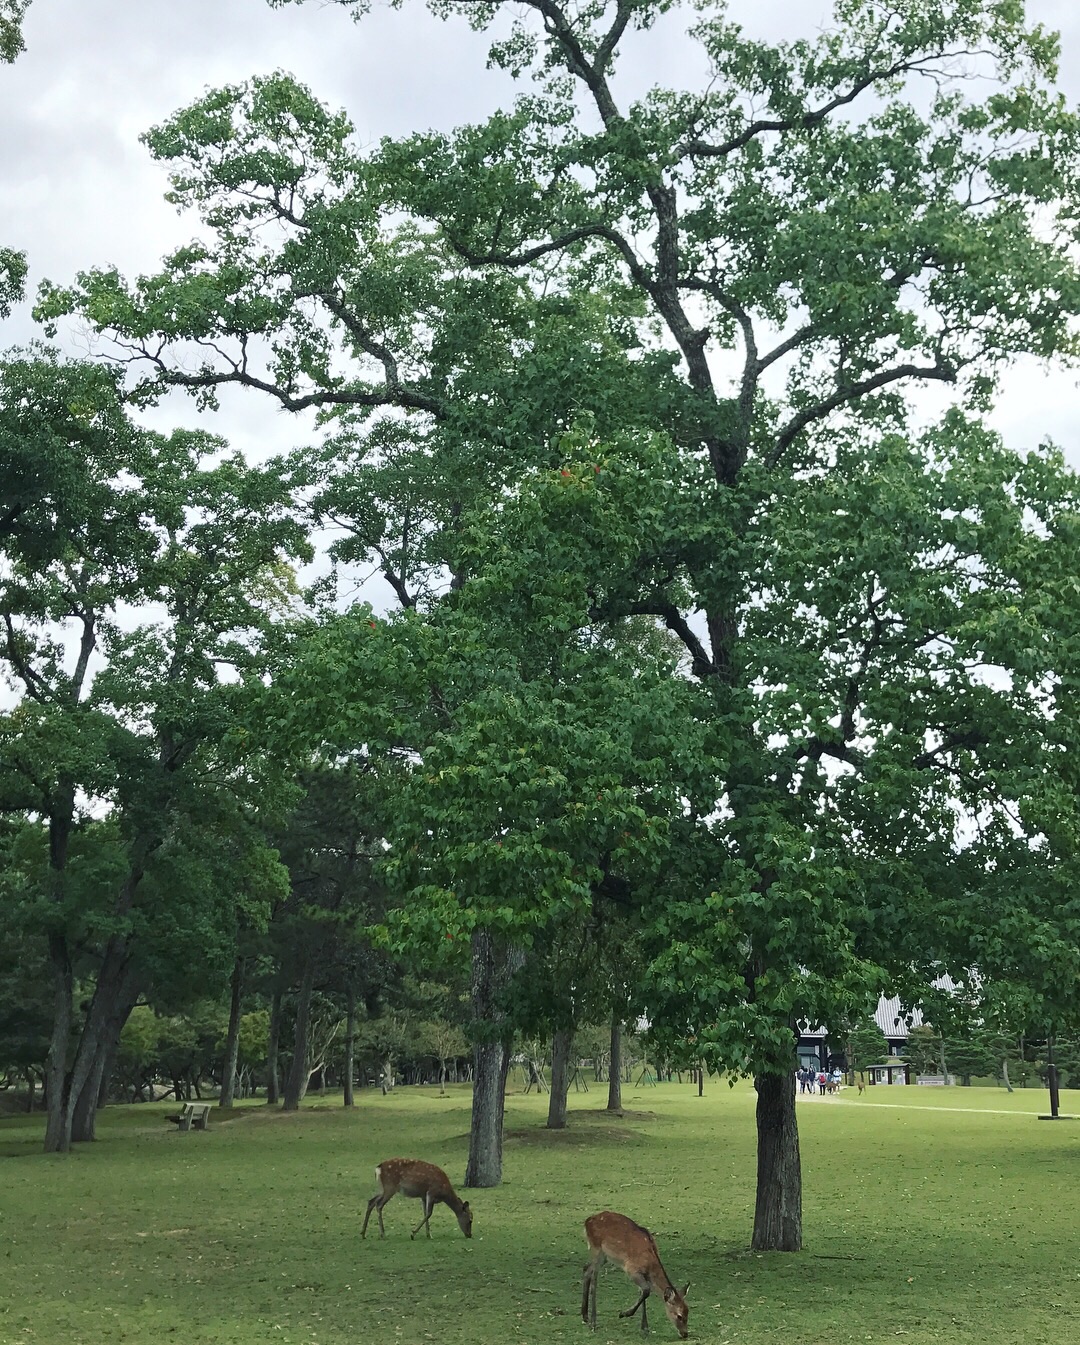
(77, 189)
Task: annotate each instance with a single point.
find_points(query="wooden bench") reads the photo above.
(191, 1116)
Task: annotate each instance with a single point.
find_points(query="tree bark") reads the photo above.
(57, 1129)
(1005, 1072)
(297, 1081)
(91, 1097)
(491, 1060)
(84, 1113)
(614, 1091)
(491, 964)
(112, 1001)
(113, 983)
(232, 1038)
(272, 1088)
(350, 1042)
(778, 1210)
(560, 1078)
(57, 1122)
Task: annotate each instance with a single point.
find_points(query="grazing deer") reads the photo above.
(614, 1237)
(425, 1181)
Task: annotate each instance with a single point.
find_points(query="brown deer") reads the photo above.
(424, 1181)
(614, 1237)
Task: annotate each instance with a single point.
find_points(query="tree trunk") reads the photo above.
(614, 1092)
(84, 1117)
(1005, 1072)
(106, 1074)
(491, 966)
(113, 998)
(272, 1091)
(232, 1038)
(778, 1211)
(297, 1081)
(57, 1125)
(350, 1042)
(490, 1062)
(113, 983)
(560, 1078)
(91, 1096)
(701, 1080)
(58, 1120)
(944, 1067)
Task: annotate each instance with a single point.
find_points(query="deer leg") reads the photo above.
(644, 1310)
(428, 1206)
(592, 1309)
(639, 1304)
(383, 1200)
(370, 1206)
(586, 1285)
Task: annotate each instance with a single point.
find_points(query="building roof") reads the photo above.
(897, 1022)
(894, 1021)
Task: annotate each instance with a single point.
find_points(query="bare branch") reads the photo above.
(611, 38)
(851, 392)
(702, 150)
(87, 644)
(36, 686)
(394, 395)
(559, 244)
(933, 757)
(658, 606)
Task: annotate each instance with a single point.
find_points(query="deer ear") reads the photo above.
(687, 1289)
(464, 1206)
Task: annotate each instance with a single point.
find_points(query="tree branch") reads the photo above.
(701, 663)
(394, 395)
(851, 392)
(701, 149)
(36, 686)
(559, 244)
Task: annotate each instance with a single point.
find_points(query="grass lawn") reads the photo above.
(930, 1215)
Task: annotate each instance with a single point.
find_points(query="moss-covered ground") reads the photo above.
(930, 1215)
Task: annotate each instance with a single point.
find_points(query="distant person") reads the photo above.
(821, 1082)
(802, 1080)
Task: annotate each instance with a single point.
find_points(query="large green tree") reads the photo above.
(731, 293)
(136, 566)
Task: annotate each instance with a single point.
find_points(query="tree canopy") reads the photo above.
(698, 613)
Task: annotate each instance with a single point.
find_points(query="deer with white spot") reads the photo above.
(423, 1181)
(614, 1237)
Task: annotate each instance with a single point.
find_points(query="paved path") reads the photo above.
(923, 1106)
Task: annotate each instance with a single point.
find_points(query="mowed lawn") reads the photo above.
(930, 1215)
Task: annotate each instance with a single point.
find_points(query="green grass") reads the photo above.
(922, 1224)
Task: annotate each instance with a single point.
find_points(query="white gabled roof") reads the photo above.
(894, 1021)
